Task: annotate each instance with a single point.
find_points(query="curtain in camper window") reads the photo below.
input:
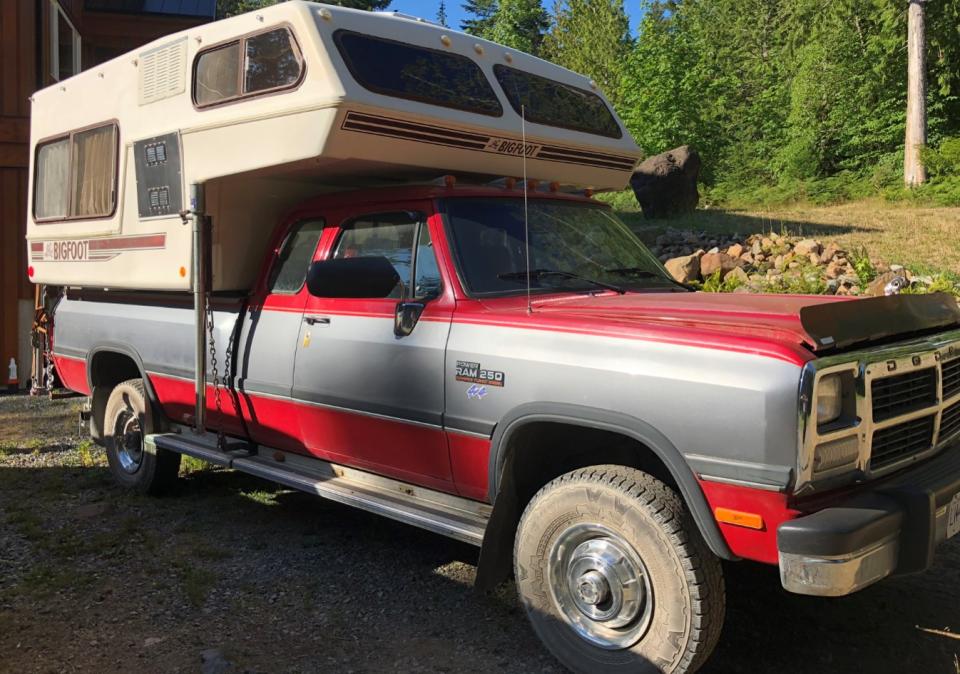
(51, 192)
(215, 78)
(94, 159)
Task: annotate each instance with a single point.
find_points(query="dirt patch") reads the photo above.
(232, 571)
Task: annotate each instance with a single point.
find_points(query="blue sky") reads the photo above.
(428, 10)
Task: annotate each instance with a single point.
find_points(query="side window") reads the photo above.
(75, 177)
(389, 235)
(296, 253)
(265, 61)
(427, 283)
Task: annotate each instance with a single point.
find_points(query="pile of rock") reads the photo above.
(764, 262)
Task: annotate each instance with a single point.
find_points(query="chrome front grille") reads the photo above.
(904, 393)
(904, 406)
(893, 443)
(950, 421)
(951, 378)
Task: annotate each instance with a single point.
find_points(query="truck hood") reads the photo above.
(819, 323)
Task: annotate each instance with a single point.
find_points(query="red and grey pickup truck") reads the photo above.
(601, 432)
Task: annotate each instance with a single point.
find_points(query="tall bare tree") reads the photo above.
(914, 172)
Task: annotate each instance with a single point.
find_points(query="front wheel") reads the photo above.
(615, 577)
(127, 419)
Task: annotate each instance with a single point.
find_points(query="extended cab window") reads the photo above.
(545, 101)
(296, 253)
(76, 176)
(258, 63)
(393, 235)
(417, 73)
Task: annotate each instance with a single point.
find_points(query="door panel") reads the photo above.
(366, 397)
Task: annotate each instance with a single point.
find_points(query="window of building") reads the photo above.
(392, 235)
(76, 176)
(64, 44)
(258, 63)
(417, 73)
(545, 101)
(295, 256)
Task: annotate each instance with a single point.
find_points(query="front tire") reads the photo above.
(615, 577)
(127, 420)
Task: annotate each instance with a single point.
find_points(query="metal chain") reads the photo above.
(215, 374)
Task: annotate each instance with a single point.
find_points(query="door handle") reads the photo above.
(316, 320)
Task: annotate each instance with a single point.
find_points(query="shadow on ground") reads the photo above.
(96, 579)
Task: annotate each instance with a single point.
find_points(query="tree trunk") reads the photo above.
(916, 137)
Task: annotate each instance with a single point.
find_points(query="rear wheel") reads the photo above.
(614, 575)
(127, 420)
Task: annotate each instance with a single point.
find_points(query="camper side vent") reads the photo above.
(163, 71)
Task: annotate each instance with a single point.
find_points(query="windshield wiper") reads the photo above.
(640, 272)
(537, 274)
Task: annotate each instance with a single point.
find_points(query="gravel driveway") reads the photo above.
(234, 574)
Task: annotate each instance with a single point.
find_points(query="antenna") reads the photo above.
(526, 224)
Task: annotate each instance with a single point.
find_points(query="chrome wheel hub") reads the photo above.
(601, 586)
(129, 441)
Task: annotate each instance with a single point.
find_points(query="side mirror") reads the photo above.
(352, 277)
(406, 318)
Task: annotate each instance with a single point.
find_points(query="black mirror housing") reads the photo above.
(406, 318)
(352, 277)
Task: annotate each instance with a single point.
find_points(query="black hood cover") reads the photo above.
(838, 325)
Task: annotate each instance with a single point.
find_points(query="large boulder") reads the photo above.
(666, 184)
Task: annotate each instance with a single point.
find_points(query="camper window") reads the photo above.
(417, 73)
(76, 176)
(552, 103)
(254, 64)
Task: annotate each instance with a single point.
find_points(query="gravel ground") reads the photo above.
(233, 574)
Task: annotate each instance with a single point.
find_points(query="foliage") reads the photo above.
(800, 96)
(481, 14)
(519, 24)
(862, 265)
(442, 13)
(591, 37)
(715, 284)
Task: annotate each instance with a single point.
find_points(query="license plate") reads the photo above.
(953, 517)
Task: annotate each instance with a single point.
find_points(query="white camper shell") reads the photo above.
(277, 105)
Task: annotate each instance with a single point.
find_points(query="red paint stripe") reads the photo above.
(757, 545)
(36, 247)
(73, 373)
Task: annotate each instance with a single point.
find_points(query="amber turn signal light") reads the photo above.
(739, 518)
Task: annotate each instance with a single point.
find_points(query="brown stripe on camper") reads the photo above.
(93, 250)
(436, 135)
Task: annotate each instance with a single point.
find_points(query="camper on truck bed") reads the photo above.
(357, 254)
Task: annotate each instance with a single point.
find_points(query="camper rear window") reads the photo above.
(418, 74)
(76, 176)
(546, 101)
(255, 64)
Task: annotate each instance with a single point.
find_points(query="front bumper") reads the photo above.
(893, 529)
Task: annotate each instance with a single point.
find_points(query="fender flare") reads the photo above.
(123, 350)
(501, 490)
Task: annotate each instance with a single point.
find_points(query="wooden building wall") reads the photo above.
(24, 68)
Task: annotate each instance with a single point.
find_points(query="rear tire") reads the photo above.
(127, 419)
(615, 577)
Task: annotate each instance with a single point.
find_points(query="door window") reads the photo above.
(402, 238)
(296, 252)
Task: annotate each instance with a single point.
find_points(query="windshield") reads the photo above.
(585, 243)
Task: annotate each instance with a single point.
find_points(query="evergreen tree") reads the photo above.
(442, 13)
(591, 37)
(519, 24)
(481, 16)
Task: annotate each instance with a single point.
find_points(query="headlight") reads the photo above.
(829, 398)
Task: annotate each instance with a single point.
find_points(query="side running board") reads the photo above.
(434, 511)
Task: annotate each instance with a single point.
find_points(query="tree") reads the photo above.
(519, 24)
(591, 37)
(481, 13)
(915, 137)
(442, 13)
